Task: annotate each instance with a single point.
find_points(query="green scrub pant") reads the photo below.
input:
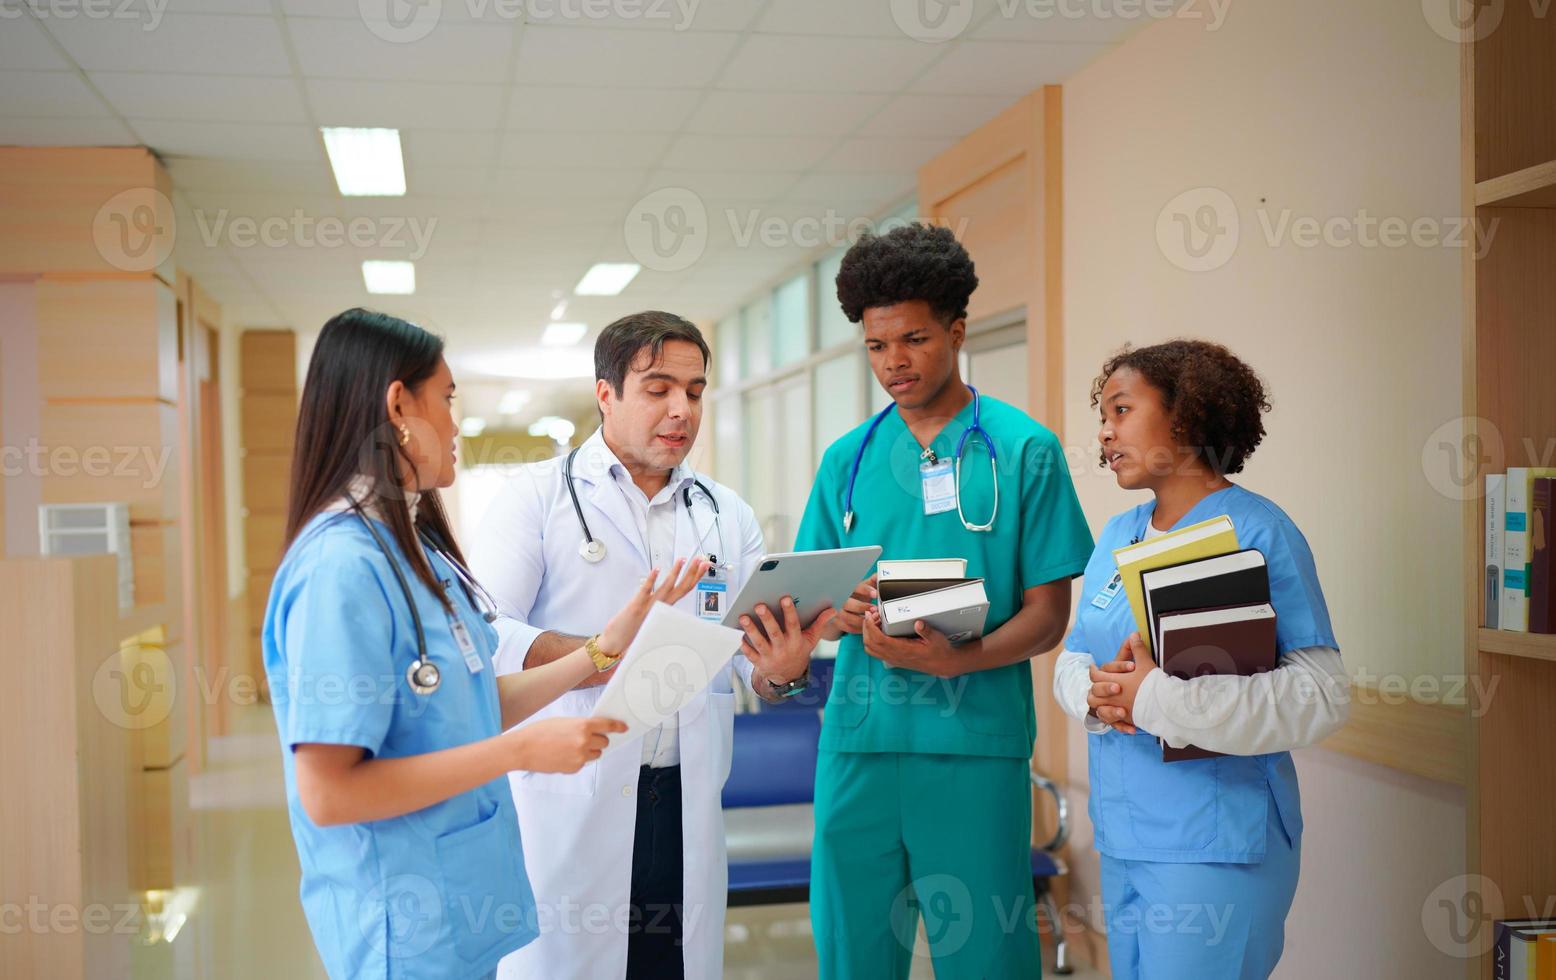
(899, 835)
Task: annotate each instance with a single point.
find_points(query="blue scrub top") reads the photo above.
(440, 892)
(1039, 536)
(1202, 810)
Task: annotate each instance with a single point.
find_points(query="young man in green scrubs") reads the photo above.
(923, 803)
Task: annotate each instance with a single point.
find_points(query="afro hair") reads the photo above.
(913, 262)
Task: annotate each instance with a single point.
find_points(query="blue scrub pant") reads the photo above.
(1201, 921)
(904, 835)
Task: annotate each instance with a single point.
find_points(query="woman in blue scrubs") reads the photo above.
(394, 729)
(1199, 858)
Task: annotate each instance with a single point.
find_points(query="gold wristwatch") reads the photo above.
(602, 661)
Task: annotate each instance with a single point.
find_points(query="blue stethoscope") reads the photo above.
(929, 455)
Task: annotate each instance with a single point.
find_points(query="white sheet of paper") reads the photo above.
(675, 656)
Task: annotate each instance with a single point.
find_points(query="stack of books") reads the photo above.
(1525, 949)
(1520, 587)
(934, 590)
(1202, 606)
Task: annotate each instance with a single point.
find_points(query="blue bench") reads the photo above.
(792, 732)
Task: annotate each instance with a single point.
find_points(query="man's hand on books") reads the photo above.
(929, 652)
(1115, 684)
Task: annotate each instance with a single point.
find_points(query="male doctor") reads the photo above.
(626, 857)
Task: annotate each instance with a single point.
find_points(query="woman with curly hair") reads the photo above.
(1200, 857)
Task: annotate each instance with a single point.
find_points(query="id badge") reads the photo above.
(1105, 598)
(466, 645)
(939, 483)
(713, 596)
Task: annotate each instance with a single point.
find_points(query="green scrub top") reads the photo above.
(1039, 536)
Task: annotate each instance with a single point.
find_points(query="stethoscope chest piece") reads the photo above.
(592, 551)
(423, 676)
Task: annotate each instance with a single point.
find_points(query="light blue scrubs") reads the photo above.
(1199, 858)
(442, 891)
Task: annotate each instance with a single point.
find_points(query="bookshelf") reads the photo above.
(1508, 152)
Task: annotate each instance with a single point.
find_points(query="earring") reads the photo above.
(405, 433)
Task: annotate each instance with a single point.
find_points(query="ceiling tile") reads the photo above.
(328, 48)
(738, 185)
(52, 131)
(605, 150)
(632, 59)
(431, 148)
(572, 183)
(772, 63)
(770, 153)
(782, 113)
(405, 105)
(863, 193)
(232, 141)
(1044, 20)
(582, 110)
(935, 115)
(217, 45)
(204, 98)
(1004, 67)
(24, 46)
(48, 93)
(885, 156)
(247, 176)
(828, 17)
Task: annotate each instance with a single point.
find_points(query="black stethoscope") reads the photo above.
(423, 675)
(929, 454)
(592, 549)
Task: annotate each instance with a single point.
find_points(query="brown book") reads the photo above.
(1542, 584)
(1221, 640)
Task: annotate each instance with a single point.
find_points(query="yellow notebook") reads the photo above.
(1207, 539)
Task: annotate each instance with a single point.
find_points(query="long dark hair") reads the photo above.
(343, 430)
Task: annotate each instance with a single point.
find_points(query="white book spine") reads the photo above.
(1515, 552)
(1496, 505)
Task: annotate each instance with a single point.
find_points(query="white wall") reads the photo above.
(1331, 110)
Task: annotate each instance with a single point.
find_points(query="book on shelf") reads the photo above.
(1516, 554)
(1524, 949)
(1496, 505)
(1542, 583)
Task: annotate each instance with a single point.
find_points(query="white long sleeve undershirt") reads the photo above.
(1303, 700)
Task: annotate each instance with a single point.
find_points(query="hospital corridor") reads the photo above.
(777, 489)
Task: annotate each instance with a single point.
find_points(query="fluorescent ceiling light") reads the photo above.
(563, 334)
(513, 401)
(606, 278)
(367, 162)
(391, 277)
(472, 426)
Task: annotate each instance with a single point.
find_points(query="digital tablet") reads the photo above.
(816, 580)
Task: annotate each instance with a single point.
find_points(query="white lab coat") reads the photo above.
(578, 829)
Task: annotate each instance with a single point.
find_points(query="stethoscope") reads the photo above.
(592, 550)
(423, 675)
(929, 455)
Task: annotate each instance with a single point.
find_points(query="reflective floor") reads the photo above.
(247, 923)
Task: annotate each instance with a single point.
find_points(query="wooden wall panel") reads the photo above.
(269, 423)
(269, 361)
(66, 838)
(113, 452)
(106, 339)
